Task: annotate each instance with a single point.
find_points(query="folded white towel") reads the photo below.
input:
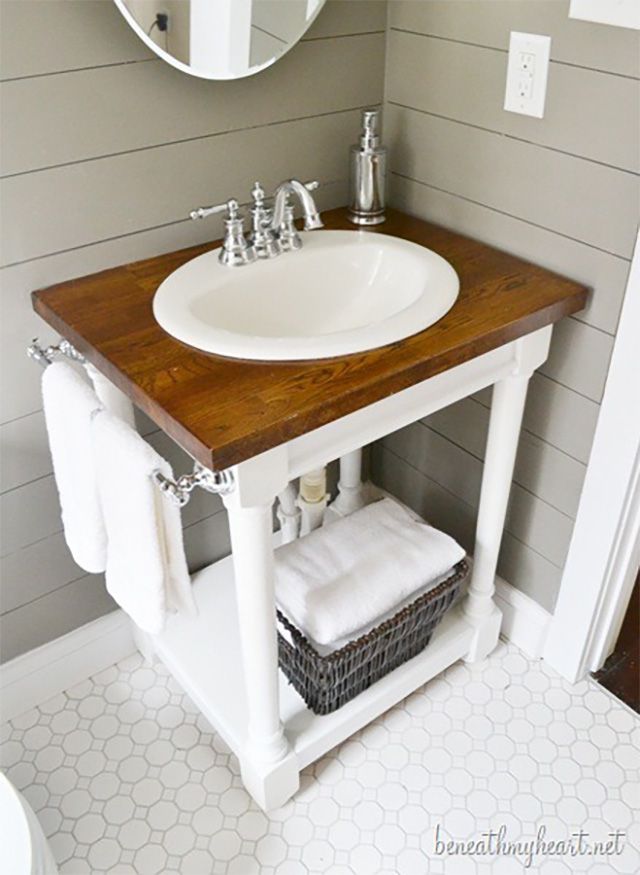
(326, 649)
(68, 405)
(343, 577)
(146, 567)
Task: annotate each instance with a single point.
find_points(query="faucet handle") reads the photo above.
(235, 250)
(260, 213)
(231, 206)
(263, 237)
(258, 194)
(289, 238)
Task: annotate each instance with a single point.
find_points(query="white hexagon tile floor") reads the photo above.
(127, 777)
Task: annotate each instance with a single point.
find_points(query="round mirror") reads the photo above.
(220, 39)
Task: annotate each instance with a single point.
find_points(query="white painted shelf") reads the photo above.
(204, 655)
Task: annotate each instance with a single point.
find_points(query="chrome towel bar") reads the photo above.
(178, 491)
(47, 355)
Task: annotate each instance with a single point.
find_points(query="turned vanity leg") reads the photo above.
(268, 765)
(502, 442)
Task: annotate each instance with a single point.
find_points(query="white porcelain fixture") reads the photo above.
(23, 846)
(343, 292)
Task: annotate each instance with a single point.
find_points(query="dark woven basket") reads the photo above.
(328, 682)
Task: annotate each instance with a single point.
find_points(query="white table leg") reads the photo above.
(504, 429)
(268, 765)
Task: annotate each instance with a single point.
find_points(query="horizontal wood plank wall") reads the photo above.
(562, 192)
(105, 149)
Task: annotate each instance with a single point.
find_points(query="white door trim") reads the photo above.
(605, 548)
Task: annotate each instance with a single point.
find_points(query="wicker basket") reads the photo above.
(328, 682)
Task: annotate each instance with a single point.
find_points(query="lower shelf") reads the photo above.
(203, 654)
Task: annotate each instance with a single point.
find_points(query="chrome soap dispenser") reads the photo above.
(368, 166)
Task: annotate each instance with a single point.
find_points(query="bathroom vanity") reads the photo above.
(267, 422)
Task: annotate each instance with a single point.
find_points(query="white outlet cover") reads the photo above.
(527, 73)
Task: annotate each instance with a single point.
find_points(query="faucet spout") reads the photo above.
(312, 219)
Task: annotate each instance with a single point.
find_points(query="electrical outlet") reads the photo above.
(527, 73)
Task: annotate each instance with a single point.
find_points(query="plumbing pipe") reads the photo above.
(350, 487)
(312, 500)
(288, 514)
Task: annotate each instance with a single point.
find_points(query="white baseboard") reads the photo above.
(40, 674)
(524, 622)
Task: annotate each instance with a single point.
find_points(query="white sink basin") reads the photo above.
(343, 292)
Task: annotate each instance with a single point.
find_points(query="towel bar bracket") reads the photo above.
(45, 356)
(179, 491)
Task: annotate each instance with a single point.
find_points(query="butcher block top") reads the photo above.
(224, 411)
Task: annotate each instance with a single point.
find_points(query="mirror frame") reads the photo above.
(184, 68)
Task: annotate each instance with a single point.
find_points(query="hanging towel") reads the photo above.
(146, 567)
(341, 578)
(68, 404)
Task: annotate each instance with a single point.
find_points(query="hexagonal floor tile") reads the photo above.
(126, 777)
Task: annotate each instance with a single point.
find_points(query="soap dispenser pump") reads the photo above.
(367, 174)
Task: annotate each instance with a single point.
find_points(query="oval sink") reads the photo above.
(343, 292)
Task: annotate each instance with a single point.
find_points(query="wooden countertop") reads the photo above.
(224, 411)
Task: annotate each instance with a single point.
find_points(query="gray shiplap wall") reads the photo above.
(562, 192)
(104, 151)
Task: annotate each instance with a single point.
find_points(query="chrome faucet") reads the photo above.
(273, 231)
(312, 219)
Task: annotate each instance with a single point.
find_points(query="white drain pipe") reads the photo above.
(350, 488)
(288, 514)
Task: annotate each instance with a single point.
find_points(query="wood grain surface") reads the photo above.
(223, 411)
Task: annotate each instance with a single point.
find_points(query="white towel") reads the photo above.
(146, 567)
(68, 404)
(339, 643)
(341, 578)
